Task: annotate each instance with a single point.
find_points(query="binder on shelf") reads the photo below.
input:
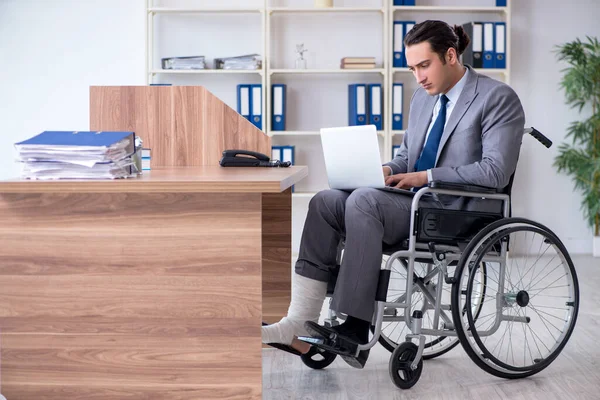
(397, 104)
(375, 100)
(500, 3)
(395, 149)
(279, 96)
(146, 159)
(488, 45)
(256, 105)
(398, 2)
(408, 25)
(409, 3)
(276, 153)
(284, 153)
(244, 101)
(500, 48)
(473, 54)
(399, 44)
(357, 104)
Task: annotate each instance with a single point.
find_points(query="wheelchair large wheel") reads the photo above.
(531, 299)
(393, 333)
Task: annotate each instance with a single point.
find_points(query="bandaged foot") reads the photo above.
(307, 300)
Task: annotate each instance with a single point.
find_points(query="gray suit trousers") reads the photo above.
(366, 218)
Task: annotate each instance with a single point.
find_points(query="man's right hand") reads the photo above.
(387, 171)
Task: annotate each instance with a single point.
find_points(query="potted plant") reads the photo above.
(581, 159)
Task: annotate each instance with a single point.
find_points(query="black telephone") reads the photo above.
(247, 158)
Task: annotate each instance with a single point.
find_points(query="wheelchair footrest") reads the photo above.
(328, 345)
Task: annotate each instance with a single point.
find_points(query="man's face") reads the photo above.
(429, 71)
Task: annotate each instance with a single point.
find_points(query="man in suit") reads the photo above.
(463, 127)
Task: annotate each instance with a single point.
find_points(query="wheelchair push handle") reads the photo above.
(539, 136)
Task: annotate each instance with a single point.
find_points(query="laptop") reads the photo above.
(353, 160)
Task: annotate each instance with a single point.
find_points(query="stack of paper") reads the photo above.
(78, 155)
(250, 61)
(192, 62)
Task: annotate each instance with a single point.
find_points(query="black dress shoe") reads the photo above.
(339, 341)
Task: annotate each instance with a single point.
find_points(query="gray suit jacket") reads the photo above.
(481, 141)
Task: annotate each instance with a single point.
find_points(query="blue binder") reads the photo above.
(500, 48)
(408, 25)
(409, 2)
(398, 2)
(398, 44)
(488, 45)
(256, 105)
(357, 104)
(397, 106)
(244, 101)
(375, 106)
(82, 138)
(500, 3)
(276, 153)
(284, 153)
(278, 94)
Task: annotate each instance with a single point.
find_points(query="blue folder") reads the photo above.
(375, 106)
(500, 45)
(244, 101)
(488, 45)
(357, 104)
(398, 55)
(397, 106)
(278, 95)
(256, 105)
(80, 138)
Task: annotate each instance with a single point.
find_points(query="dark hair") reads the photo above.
(440, 36)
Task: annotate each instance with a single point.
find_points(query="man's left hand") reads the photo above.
(407, 181)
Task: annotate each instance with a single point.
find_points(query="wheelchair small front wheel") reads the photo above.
(317, 358)
(401, 373)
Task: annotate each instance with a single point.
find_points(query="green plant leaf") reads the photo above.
(581, 160)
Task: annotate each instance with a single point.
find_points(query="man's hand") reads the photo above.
(387, 171)
(407, 181)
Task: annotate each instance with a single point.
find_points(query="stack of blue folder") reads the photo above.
(78, 155)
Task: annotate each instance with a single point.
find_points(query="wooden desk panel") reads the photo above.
(207, 179)
(276, 254)
(131, 295)
(183, 125)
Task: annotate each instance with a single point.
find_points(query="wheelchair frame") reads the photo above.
(414, 324)
(441, 256)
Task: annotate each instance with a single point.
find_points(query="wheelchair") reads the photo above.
(504, 288)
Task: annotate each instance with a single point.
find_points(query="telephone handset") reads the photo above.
(247, 158)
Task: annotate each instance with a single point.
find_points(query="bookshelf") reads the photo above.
(279, 26)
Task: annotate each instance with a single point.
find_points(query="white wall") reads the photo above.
(52, 51)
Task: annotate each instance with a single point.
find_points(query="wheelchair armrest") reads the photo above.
(461, 187)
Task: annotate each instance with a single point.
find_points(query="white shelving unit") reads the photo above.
(387, 73)
(404, 75)
(152, 12)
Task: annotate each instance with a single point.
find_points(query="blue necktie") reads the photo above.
(428, 156)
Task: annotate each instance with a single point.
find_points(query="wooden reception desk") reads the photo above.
(147, 288)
